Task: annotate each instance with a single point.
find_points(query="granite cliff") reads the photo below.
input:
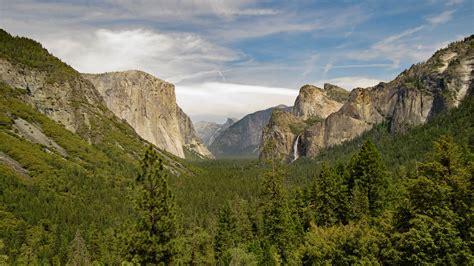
(149, 105)
(412, 98)
(282, 136)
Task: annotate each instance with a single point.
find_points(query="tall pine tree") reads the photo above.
(327, 197)
(368, 180)
(226, 229)
(435, 225)
(153, 237)
(278, 227)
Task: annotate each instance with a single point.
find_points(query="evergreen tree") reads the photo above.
(226, 227)
(153, 237)
(359, 205)
(434, 225)
(367, 174)
(200, 248)
(327, 192)
(278, 228)
(78, 255)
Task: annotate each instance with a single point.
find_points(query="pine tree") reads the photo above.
(226, 227)
(368, 172)
(278, 228)
(78, 255)
(153, 237)
(435, 224)
(326, 193)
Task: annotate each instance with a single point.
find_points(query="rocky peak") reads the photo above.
(336, 93)
(313, 102)
(148, 104)
(413, 97)
(229, 122)
(208, 131)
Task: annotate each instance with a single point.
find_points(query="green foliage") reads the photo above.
(328, 197)
(153, 236)
(278, 227)
(313, 120)
(368, 181)
(434, 224)
(24, 51)
(226, 231)
(349, 211)
(337, 94)
(351, 244)
(78, 254)
(297, 128)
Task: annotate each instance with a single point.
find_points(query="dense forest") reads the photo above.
(347, 206)
(378, 199)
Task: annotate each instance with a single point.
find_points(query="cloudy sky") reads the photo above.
(229, 58)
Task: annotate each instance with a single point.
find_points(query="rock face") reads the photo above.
(243, 138)
(313, 102)
(208, 131)
(409, 100)
(71, 102)
(282, 137)
(148, 104)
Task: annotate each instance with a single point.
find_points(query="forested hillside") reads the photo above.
(97, 193)
(221, 209)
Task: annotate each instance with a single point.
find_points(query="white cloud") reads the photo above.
(441, 18)
(170, 56)
(230, 100)
(190, 8)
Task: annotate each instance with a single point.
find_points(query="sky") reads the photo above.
(230, 58)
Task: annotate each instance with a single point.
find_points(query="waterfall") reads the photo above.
(295, 149)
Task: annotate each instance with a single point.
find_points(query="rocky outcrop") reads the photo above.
(312, 102)
(148, 104)
(412, 98)
(243, 138)
(280, 135)
(336, 93)
(190, 138)
(34, 134)
(283, 137)
(71, 102)
(208, 131)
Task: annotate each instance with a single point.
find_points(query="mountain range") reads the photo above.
(412, 98)
(320, 117)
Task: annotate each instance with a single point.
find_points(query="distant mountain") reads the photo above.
(243, 138)
(411, 99)
(208, 131)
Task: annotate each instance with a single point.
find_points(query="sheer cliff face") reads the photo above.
(148, 104)
(409, 100)
(191, 140)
